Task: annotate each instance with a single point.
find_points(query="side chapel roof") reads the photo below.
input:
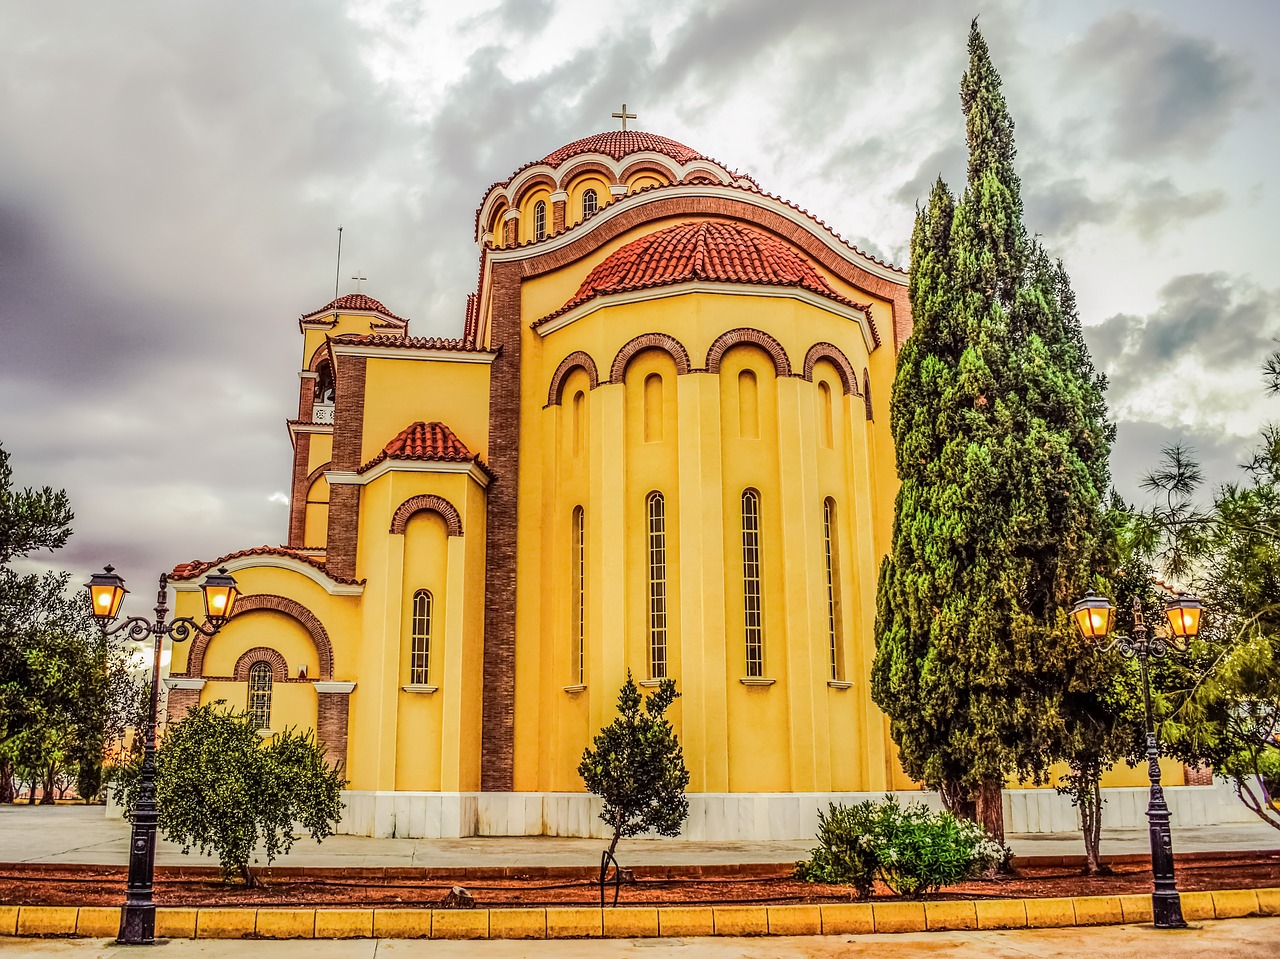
(354, 303)
(431, 442)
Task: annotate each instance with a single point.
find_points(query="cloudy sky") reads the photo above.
(172, 177)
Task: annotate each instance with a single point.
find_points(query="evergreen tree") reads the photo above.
(1000, 429)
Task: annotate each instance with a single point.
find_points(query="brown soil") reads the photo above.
(96, 885)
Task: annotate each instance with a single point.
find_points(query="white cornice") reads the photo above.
(333, 686)
(276, 561)
(411, 353)
(296, 428)
(725, 289)
(350, 478)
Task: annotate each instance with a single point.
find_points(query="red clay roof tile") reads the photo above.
(407, 342)
(197, 567)
(354, 302)
(429, 442)
(621, 143)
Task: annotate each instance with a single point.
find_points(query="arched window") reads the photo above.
(324, 383)
(834, 617)
(579, 423)
(590, 202)
(580, 594)
(748, 406)
(824, 412)
(753, 621)
(260, 681)
(653, 408)
(866, 391)
(540, 220)
(657, 586)
(420, 639)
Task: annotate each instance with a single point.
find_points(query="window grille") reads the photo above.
(420, 639)
(657, 586)
(833, 589)
(590, 202)
(540, 220)
(580, 593)
(753, 622)
(260, 681)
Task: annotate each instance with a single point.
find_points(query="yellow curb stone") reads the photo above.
(1235, 903)
(568, 922)
(286, 923)
(175, 923)
(899, 916)
(847, 918)
(950, 915)
(402, 923)
(225, 923)
(47, 920)
(8, 920)
(1269, 902)
(627, 922)
(795, 920)
(344, 923)
(1136, 908)
(98, 922)
(686, 921)
(1045, 913)
(517, 923)
(741, 920)
(1001, 913)
(1197, 905)
(1097, 910)
(459, 923)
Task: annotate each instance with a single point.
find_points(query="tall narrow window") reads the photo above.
(834, 616)
(653, 408)
(754, 623)
(657, 586)
(540, 220)
(590, 202)
(579, 595)
(824, 412)
(579, 422)
(866, 391)
(260, 680)
(748, 406)
(420, 639)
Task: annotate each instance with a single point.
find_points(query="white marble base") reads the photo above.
(742, 816)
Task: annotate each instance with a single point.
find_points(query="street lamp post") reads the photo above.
(107, 592)
(1094, 616)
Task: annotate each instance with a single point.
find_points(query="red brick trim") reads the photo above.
(866, 393)
(179, 703)
(315, 474)
(280, 604)
(261, 654)
(511, 229)
(332, 710)
(433, 504)
(543, 180)
(649, 341)
(586, 166)
(557, 216)
(348, 434)
(577, 360)
(727, 341)
(298, 495)
(647, 166)
(832, 353)
(700, 176)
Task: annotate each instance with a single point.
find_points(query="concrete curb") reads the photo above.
(634, 922)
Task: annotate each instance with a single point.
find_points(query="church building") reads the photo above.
(659, 445)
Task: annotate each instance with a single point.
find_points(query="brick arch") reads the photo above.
(727, 341)
(646, 166)
(834, 355)
(539, 180)
(495, 219)
(866, 392)
(432, 503)
(587, 166)
(577, 360)
(279, 604)
(261, 654)
(316, 473)
(649, 341)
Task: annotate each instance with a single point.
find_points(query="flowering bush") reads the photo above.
(913, 850)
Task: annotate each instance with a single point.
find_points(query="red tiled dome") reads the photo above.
(354, 302)
(620, 143)
(433, 441)
(708, 250)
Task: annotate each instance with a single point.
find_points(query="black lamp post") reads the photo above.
(106, 590)
(1094, 616)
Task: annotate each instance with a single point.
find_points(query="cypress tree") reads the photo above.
(1000, 429)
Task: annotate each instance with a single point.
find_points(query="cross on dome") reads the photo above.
(358, 278)
(624, 116)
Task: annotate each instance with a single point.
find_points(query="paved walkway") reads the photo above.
(83, 834)
(1225, 939)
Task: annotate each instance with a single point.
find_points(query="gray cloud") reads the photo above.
(1157, 205)
(1060, 207)
(1137, 451)
(1163, 92)
(951, 163)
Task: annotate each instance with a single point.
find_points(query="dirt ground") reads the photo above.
(96, 885)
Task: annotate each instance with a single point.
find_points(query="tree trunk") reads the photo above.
(1091, 826)
(8, 792)
(989, 808)
(958, 800)
(50, 774)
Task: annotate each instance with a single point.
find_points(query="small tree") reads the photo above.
(220, 788)
(637, 767)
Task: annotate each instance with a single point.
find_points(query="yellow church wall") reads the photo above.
(399, 392)
(527, 204)
(262, 627)
(320, 451)
(293, 705)
(316, 527)
(641, 181)
(576, 188)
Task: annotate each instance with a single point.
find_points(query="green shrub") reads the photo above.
(913, 850)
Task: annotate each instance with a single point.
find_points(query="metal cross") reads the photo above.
(358, 277)
(624, 116)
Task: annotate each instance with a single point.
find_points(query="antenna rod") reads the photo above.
(338, 272)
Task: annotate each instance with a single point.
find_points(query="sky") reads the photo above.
(172, 177)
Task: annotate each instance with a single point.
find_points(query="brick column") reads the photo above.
(558, 201)
(333, 703)
(511, 228)
(344, 499)
(184, 695)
